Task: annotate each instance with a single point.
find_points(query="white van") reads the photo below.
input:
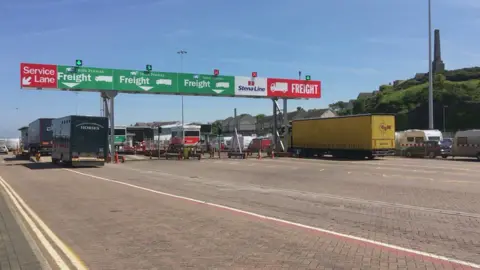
(466, 144)
(416, 137)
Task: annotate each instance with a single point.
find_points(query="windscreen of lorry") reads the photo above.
(89, 137)
(433, 138)
(192, 133)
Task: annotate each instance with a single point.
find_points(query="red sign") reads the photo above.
(189, 140)
(293, 88)
(254, 74)
(38, 75)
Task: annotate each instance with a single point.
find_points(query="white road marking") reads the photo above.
(322, 195)
(22, 207)
(461, 182)
(377, 164)
(41, 237)
(295, 224)
(44, 263)
(271, 166)
(408, 177)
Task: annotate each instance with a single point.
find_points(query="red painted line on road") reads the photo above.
(397, 250)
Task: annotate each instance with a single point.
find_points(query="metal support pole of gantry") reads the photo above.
(110, 114)
(275, 127)
(286, 134)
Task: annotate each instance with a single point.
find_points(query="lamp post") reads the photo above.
(444, 120)
(181, 53)
(430, 75)
(76, 103)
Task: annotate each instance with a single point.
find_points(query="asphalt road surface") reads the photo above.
(243, 214)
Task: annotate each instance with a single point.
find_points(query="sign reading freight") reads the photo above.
(38, 75)
(250, 86)
(85, 78)
(289, 88)
(151, 82)
(206, 85)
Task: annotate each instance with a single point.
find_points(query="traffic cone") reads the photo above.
(116, 157)
(259, 156)
(273, 153)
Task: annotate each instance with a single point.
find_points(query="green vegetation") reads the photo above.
(456, 94)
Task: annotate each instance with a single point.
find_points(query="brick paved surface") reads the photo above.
(116, 227)
(15, 252)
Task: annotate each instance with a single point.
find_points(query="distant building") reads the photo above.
(365, 95)
(155, 124)
(265, 124)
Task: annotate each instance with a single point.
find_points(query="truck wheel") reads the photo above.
(432, 155)
(444, 156)
(408, 154)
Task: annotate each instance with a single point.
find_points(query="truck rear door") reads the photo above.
(89, 139)
(383, 132)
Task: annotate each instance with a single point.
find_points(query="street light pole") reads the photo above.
(181, 53)
(444, 120)
(76, 103)
(430, 75)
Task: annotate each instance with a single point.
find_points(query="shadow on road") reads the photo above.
(14, 159)
(341, 159)
(40, 166)
(463, 159)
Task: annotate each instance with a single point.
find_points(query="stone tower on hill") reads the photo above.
(437, 66)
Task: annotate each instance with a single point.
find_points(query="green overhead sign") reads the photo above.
(206, 84)
(128, 81)
(142, 81)
(85, 78)
(80, 78)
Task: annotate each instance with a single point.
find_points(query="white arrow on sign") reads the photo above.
(70, 84)
(218, 91)
(26, 80)
(146, 88)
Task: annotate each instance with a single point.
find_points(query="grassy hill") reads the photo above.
(456, 92)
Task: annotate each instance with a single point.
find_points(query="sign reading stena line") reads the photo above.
(47, 76)
(250, 87)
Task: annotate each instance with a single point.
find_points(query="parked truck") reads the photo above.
(80, 140)
(353, 136)
(39, 137)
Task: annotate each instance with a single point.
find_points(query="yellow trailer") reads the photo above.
(357, 136)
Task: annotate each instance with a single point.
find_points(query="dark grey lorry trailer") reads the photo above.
(39, 137)
(80, 140)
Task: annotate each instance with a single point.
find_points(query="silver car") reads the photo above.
(3, 149)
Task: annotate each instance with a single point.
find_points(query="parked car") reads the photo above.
(429, 149)
(3, 149)
(446, 147)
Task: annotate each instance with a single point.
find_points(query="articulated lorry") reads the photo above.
(39, 137)
(353, 136)
(80, 140)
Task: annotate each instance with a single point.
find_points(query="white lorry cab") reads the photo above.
(416, 137)
(466, 144)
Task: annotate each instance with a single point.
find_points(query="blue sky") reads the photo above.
(351, 46)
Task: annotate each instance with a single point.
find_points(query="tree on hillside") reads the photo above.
(340, 108)
(259, 117)
(300, 109)
(216, 127)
